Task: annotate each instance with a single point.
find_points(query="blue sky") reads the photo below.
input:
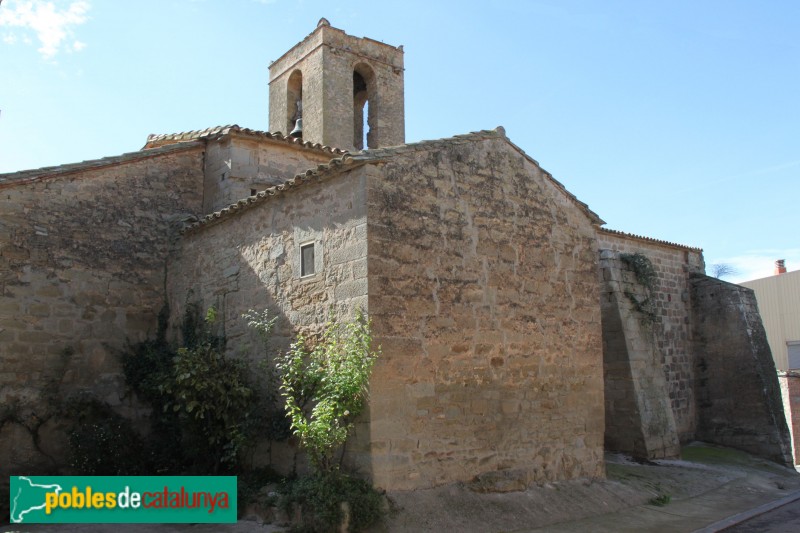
(677, 120)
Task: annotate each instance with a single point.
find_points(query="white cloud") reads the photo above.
(756, 264)
(53, 25)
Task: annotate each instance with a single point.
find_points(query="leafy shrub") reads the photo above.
(325, 386)
(211, 395)
(205, 410)
(661, 500)
(203, 404)
(272, 419)
(321, 496)
(146, 366)
(263, 324)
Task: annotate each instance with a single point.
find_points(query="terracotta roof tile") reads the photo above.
(649, 239)
(376, 155)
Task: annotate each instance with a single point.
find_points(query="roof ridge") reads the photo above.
(497, 133)
(377, 153)
(189, 134)
(649, 239)
(154, 140)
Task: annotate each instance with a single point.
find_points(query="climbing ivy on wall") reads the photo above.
(199, 395)
(646, 276)
(206, 410)
(642, 267)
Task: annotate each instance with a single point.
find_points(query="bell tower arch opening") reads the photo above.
(364, 114)
(294, 101)
(347, 90)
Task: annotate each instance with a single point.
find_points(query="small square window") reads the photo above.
(253, 192)
(307, 259)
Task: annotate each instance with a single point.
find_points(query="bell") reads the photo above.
(298, 129)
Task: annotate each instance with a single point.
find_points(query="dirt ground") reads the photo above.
(722, 480)
(710, 483)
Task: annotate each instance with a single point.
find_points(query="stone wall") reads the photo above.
(382, 66)
(235, 165)
(673, 265)
(738, 394)
(639, 418)
(82, 255)
(251, 260)
(790, 393)
(483, 294)
(306, 56)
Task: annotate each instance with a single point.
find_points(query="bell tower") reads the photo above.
(347, 90)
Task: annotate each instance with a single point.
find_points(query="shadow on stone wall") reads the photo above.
(82, 254)
(639, 419)
(252, 261)
(738, 394)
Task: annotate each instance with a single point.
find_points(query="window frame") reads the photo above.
(304, 246)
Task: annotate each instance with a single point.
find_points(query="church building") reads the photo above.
(520, 338)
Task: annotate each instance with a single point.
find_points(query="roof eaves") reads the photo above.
(28, 176)
(649, 239)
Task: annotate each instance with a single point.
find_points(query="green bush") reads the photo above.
(204, 408)
(321, 496)
(661, 500)
(325, 386)
(272, 421)
(211, 395)
(146, 365)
